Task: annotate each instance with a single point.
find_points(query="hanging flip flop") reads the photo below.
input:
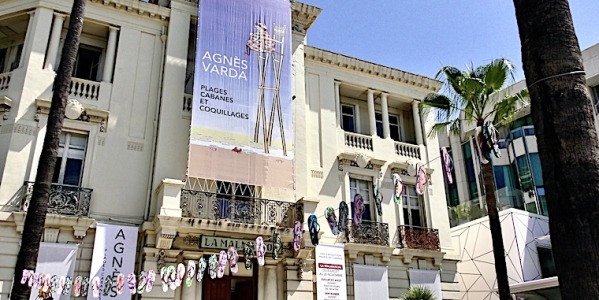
(95, 286)
(54, 283)
(36, 280)
(422, 180)
(107, 285)
(397, 188)
(314, 229)
(25, 276)
(163, 278)
(247, 253)
(222, 263)
(378, 197)
(233, 258)
(142, 281)
(277, 244)
(84, 286)
(180, 274)
(77, 284)
(31, 280)
(67, 286)
(212, 266)
(329, 214)
(358, 209)
(151, 280)
(172, 277)
(343, 216)
(132, 283)
(191, 273)
(297, 236)
(260, 250)
(120, 284)
(201, 268)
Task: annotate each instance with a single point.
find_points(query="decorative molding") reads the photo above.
(316, 174)
(22, 129)
(51, 235)
(302, 16)
(351, 160)
(138, 7)
(135, 146)
(90, 114)
(369, 68)
(101, 140)
(5, 106)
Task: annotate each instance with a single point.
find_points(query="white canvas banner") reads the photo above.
(428, 278)
(371, 282)
(115, 247)
(330, 272)
(55, 259)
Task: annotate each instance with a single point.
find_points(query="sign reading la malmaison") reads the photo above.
(222, 243)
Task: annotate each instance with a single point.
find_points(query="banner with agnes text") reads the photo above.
(242, 119)
(114, 252)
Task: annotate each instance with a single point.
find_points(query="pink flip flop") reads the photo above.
(77, 284)
(260, 250)
(233, 257)
(297, 236)
(62, 281)
(151, 280)
(25, 277)
(180, 274)
(120, 284)
(95, 286)
(132, 281)
(222, 263)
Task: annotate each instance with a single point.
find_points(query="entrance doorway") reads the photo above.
(232, 286)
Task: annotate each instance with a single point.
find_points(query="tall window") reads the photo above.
(394, 126)
(546, 261)
(71, 156)
(413, 207)
(363, 188)
(87, 63)
(10, 58)
(596, 97)
(348, 117)
(524, 172)
(233, 201)
(470, 170)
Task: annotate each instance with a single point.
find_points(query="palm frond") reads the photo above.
(495, 74)
(454, 127)
(506, 108)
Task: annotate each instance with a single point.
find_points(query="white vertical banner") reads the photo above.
(330, 272)
(55, 259)
(115, 247)
(427, 278)
(371, 282)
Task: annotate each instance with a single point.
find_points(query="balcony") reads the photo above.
(244, 210)
(414, 237)
(64, 199)
(368, 233)
(84, 89)
(358, 141)
(408, 150)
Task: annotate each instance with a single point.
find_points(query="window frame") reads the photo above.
(407, 206)
(595, 94)
(378, 116)
(371, 205)
(354, 117)
(65, 150)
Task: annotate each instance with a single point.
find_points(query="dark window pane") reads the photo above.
(529, 131)
(57, 170)
(416, 218)
(348, 124)
(393, 120)
(72, 173)
(2, 58)
(394, 132)
(366, 216)
(546, 262)
(378, 116)
(499, 177)
(346, 109)
(517, 133)
(535, 163)
(87, 64)
(379, 129)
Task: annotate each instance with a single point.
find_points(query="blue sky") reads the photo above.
(419, 36)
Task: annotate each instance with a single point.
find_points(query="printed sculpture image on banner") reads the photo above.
(242, 117)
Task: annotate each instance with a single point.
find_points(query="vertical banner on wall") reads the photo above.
(115, 247)
(330, 272)
(242, 119)
(55, 259)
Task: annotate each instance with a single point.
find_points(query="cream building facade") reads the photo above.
(124, 159)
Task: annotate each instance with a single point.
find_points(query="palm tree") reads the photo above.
(38, 205)
(469, 101)
(564, 119)
(418, 293)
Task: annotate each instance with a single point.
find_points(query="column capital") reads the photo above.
(384, 94)
(371, 91)
(60, 15)
(337, 82)
(113, 28)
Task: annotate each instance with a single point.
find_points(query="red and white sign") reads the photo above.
(330, 272)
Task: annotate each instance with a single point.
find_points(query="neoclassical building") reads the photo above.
(123, 156)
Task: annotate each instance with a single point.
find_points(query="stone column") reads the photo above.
(385, 115)
(271, 282)
(337, 104)
(280, 281)
(371, 116)
(110, 51)
(417, 123)
(261, 282)
(54, 41)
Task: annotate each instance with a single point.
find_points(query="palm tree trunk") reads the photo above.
(496, 235)
(38, 205)
(564, 121)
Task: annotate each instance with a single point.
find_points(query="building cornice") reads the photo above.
(369, 68)
(138, 7)
(303, 15)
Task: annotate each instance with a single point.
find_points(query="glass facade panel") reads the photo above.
(537, 171)
(470, 170)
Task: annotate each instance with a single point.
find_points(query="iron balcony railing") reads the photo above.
(414, 237)
(367, 233)
(238, 209)
(64, 199)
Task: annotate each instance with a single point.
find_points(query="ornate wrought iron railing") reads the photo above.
(246, 210)
(367, 233)
(64, 199)
(414, 237)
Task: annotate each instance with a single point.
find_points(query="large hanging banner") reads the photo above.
(55, 259)
(115, 247)
(330, 272)
(242, 119)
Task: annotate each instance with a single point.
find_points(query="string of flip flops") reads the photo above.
(171, 277)
(339, 225)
